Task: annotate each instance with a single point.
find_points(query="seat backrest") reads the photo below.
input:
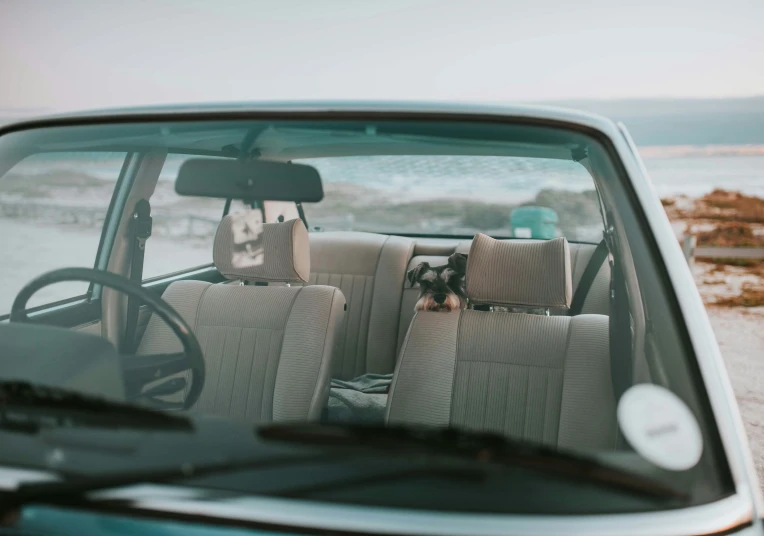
(369, 269)
(268, 349)
(532, 377)
(437, 251)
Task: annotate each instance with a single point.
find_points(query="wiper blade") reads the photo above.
(27, 408)
(479, 447)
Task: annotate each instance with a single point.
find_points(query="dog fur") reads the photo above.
(441, 287)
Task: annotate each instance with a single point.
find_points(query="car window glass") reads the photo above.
(515, 341)
(183, 227)
(52, 208)
(457, 195)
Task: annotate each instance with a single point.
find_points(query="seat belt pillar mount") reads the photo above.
(141, 223)
(140, 230)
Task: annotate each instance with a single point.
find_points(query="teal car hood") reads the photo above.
(37, 520)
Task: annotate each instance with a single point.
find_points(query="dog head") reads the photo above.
(441, 288)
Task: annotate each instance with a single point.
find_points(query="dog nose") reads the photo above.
(439, 298)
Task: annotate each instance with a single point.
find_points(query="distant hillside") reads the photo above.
(737, 121)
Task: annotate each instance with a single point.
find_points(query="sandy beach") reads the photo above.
(741, 340)
(733, 291)
(740, 333)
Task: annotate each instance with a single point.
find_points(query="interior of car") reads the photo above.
(493, 279)
(324, 329)
(361, 324)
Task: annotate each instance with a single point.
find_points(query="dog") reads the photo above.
(441, 288)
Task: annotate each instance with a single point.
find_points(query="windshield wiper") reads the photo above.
(27, 408)
(426, 447)
(74, 488)
(483, 448)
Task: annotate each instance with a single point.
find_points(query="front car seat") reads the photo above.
(268, 349)
(532, 377)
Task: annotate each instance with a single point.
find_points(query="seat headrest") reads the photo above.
(530, 274)
(282, 254)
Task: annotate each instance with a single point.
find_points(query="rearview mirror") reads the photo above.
(249, 181)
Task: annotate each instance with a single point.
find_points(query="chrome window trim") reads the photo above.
(719, 517)
(51, 307)
(178, 276)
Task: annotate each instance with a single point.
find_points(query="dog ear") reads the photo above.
(414, 274)
(458, 262)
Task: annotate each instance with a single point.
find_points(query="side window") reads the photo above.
(52, 209)
(183, 227)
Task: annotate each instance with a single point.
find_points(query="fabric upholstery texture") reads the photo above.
(588, 413)
(422, 385)
(515, 272)
(536, 378)
(369, 270)
(304, 360)
(286, 253)
(509, 374)
(267, 350)
(596, 300)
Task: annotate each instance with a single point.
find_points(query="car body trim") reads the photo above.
(719, 517)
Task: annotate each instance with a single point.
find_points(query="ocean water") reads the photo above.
(519, 179)
(697, 175)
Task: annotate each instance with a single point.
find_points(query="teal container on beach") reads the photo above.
(534, 222)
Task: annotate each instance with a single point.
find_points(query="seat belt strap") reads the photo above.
(301, 213)
(587, 278)
(621, 362)
(140, 231)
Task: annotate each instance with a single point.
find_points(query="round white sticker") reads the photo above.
(660, 427)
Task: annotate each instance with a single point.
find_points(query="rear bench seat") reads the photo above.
(370, 270)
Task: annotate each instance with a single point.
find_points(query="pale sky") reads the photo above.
(68, 54)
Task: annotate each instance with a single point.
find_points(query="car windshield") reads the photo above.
(398, 297)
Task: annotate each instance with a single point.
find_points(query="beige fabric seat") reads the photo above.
(369, 269)
(268, 349)
(532, 377)
(437, 251)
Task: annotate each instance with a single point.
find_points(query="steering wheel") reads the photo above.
(137, 370)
